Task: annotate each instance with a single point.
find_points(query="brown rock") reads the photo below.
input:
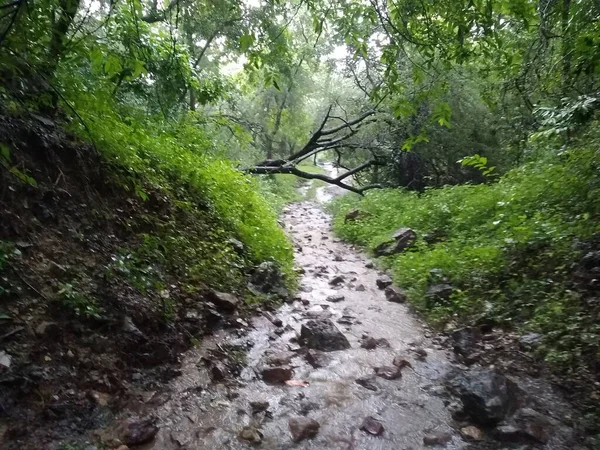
(251, 434)
(401, 362)
(134, 432)
(472, 433)
(388, 372)
(367, 382)
(303, 428)
(372, 426)
(437, 438)
(278, 374)
(316, 359)
(223, 300)
(395, 294)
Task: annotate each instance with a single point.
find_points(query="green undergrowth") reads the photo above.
(509, 249)
(185, 162)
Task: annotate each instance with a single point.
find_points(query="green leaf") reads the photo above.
(5, 152)
(246, 41)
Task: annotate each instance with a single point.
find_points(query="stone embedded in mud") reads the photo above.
(472, 433)
(487, 396)
(401, 362)
(266, 278)
(278, 374)
(338, 258)
(527, 426)
(384, 281)
(465, 340)
(370, 343)
(402, 239)
(395, 295)
(388, 372)
(316, 358)
(335, 298)
(372, 426)
(137, 431)
(303, 428)
(251, 434)
(338, 279)
(361, 288)
(259, 406)
(228, 302)
(421, 353)
(367, 382)
(99, 398)
(322, 334)
(437, 438)
(47, 328)
(218, 371)
(369, 265)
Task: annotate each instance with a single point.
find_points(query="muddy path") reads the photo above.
(209, 408)
(209, 416)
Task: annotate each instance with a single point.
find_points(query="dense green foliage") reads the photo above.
(498, 98)
(510, 250)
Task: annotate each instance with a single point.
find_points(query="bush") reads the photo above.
(509, 249)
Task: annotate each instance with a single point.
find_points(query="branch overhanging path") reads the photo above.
(324, 139)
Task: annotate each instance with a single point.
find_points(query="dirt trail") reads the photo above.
(199, 412)
(205, 415)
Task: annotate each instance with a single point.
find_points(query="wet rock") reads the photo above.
(527, 426)
(251, 434)
(370, 343)
(305, 288)
(530, 340)
(279, 358)
(465, 340)
(266, 278)
(401, 362)
(48, 329)
(274, 320)
(303, 428)
(305, 301)
(360, 288)
(338, 258)
(278, 374)
(223, 300)
(335, 298)
(367, 382)
(402, 239)
(316, 359)
(388, 372)
(438, 293)
(369, 265)
(383, 281)
(218, 371)
(5, 360)
(137, 431)
(322, 334)
(437, 438)
(372, 426)
(487, 396)
(259, 406)
(129, 327)
(420, 353)
(99, 398)
(395, 295)
(338, 279)
(472, 433)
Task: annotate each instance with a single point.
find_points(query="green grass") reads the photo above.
(509, 249)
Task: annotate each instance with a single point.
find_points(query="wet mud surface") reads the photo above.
(206, 415)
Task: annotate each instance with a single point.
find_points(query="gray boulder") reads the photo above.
(322, 334)
(487, 396)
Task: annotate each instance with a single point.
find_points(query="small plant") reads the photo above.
(81, 304)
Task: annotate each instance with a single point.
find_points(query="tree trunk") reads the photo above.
(66, 14)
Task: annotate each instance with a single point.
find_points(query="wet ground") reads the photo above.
(206, 415)
(201, 411)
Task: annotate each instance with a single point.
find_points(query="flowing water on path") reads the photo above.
(197, 413)
(203, 415)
